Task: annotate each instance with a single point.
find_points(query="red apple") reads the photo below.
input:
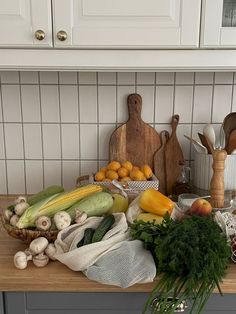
(200, 207)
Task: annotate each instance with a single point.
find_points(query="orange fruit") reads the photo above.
(125, 179)
(127, 165)
(137, 175)
(103, 169)
(123, 172)
(111, 174)
(147, 171)
(113, 165)
(136, 168)
(99, 176)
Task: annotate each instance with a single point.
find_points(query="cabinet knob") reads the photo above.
(62, 35)
(39, 34)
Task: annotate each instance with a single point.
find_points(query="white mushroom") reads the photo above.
(7, 214)
(20, 199)
(80, 216)
(21, 259)
(20, 208)
(40, 260)
(51, 251)
(38, 245)
(14, 219)
(43, 223)
(62, 220)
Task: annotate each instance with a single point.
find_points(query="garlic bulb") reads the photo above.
(20, 199)
(7, 214)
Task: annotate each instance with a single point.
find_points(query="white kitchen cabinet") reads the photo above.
(218, 24)
(131, 24)
(20, 19)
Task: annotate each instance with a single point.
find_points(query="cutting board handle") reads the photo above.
(134, 102)
(174, 123)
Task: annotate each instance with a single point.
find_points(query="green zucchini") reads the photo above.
(94, 205)
(103, 227)
(88, 235)
(49, 191)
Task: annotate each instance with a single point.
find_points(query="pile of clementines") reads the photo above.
(124, 172)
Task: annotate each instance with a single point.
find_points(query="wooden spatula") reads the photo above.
(159, 162)
(231, 142)
(229, 124)
(135, 140)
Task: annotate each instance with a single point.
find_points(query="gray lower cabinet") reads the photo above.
(1, 303)
(95, 303)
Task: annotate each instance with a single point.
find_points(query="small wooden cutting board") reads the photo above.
(135, 140)
(159, 162)
(173, 157)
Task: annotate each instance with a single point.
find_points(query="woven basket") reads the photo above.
(27, 235)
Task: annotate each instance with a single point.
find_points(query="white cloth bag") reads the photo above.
(79, 259)
(116, 260)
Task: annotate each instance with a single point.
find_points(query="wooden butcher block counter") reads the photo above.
(57, 277)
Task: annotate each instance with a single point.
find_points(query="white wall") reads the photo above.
(55, 126)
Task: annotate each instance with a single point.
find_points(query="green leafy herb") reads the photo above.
(191, 257)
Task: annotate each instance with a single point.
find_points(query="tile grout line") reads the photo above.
(23, 133)
(193, 106)
(98, 142)
(60, 124)
(4, 142)
(174, 90)
(79, 124)
(41, 124)
(232, 93)
(155, 94)
(213, 95)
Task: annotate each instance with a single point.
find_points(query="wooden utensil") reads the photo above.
(217, 180)
(159, 162)
(209, 133)
(135, 140)
(231, 142)
(198, 146)
(173, 157)
(204, 142)
(229, 124)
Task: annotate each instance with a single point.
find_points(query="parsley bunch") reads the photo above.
(191, 257)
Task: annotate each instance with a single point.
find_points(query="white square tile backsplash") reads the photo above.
(55, 126)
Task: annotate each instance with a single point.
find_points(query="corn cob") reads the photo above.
(55, 203)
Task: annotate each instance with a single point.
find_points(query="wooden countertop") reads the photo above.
(57, 277)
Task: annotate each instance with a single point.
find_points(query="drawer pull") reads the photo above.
(39, 34)
(62, 35)
(180, 308)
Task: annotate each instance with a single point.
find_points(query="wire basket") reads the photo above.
(28, 235)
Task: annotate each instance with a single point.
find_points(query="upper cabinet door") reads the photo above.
(218, 24)
(126, 23)
(25, 23)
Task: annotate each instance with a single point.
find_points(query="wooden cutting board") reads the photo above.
(135, 140)
(159, 162)
(173, 157)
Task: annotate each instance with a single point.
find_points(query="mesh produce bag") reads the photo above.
(116, 260)
(126, 264)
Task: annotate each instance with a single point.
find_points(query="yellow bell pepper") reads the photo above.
(146, 217)
(152, 201)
